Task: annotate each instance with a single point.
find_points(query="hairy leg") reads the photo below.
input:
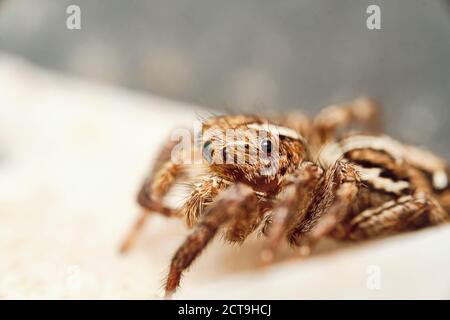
(244, 223)
(237, 198)
(201, 197)
(345, 195)
(329, 205)
(289, 208)
(404, 213)
(159, 181)
(436, 214)
(363, 111)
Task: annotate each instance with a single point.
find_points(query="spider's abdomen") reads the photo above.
(389, 169)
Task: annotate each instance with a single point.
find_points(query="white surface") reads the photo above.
(72, 156)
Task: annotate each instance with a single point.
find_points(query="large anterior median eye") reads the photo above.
(266, 146)
(208, 151)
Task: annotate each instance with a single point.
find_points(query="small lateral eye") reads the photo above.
(266, 146)
(208, 151)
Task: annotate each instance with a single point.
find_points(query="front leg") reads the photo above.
(290, 205)
(329, 204)
(202, 195)
(238, 198)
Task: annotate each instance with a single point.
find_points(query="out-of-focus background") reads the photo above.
(83, 112)
(254, 55)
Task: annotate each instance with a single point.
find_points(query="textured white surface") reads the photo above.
(72, 155)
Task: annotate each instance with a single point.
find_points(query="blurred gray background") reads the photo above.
(254, 55)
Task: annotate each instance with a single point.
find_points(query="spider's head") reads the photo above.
(251, 150)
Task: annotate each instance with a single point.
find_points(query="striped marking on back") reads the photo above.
(332, 152)
(373, 177)
(419, 158)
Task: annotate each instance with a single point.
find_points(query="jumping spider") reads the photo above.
(325, 180)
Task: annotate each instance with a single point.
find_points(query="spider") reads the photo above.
(300, 179)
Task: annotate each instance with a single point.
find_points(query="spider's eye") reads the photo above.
(208, 151)
(266, 146)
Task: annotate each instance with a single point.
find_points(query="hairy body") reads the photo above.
(298, 179)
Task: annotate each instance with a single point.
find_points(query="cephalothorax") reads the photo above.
(299, 179)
